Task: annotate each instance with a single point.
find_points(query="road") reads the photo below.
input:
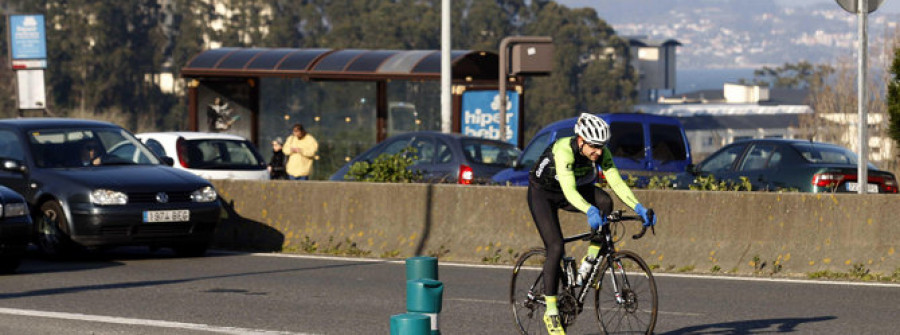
(131, 291)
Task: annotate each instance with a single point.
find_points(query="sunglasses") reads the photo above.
(595, 146)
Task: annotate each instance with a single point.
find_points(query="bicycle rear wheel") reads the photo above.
(626, 301)
(527, 292)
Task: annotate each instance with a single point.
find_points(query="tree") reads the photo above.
(799, 75)
(586, 77)
(103, 56)
(834, 104)
(893, 98)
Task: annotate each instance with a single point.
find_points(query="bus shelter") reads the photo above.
(348, 99)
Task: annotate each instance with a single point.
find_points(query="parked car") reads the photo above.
(642, 145)
(93, 184)
(15, 229)
(209, 155)
(783, 164)
(445, 157)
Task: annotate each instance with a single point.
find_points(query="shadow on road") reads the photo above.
(786, 325)
(236, 232)
(88, 265)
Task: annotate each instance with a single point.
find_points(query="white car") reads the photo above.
(209, 155)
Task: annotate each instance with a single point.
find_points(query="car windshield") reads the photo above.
(71, 148)
(490, 153)
(825, 154)
(221, 154)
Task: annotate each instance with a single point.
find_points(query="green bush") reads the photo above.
(709, 183)
(661, 182)
(387, 168)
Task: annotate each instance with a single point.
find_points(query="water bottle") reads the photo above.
(569, 268)
(584, 270)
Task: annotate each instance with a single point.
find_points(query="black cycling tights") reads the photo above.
(544, 207)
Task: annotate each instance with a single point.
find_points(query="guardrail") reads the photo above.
(726, 232)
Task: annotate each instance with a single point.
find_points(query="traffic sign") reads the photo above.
(852, 6)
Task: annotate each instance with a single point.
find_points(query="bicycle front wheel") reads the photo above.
(527, 292)
(626, 301)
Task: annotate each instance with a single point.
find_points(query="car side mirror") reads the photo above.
(13, 165)
(691, 168)
(168, 160)
(516, 165)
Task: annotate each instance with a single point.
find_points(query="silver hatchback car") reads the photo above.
(209, 155)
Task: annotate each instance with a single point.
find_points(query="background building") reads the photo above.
(654, 61)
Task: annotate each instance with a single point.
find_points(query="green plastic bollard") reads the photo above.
(410, 324)
(421, 267)
(424, 296)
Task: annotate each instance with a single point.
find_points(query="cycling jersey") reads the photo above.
(562, 168)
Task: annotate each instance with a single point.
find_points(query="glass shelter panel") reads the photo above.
(340, 115)
(413, 106)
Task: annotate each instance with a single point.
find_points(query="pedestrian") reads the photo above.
(300, 149)
(276, 164)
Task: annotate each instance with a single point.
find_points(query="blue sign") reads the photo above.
(27, 36)
(481, 115)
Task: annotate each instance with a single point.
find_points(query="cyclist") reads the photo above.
(565, 177)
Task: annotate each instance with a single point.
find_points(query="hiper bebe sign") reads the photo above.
(481, 115)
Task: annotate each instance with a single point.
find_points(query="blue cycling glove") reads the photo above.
(594, 218)
(643, 212)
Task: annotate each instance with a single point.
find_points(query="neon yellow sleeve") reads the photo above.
(620, 187)
(564, 158)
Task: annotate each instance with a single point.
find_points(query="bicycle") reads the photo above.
(625, 298)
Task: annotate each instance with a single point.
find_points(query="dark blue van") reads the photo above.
(642, 145)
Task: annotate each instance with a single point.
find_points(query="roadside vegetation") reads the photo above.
(387, 168)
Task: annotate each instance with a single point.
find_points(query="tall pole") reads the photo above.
(446, 108)
(862, 174)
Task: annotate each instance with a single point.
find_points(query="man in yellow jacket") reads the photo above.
(300, 149)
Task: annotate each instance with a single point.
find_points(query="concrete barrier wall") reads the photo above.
(733, 232)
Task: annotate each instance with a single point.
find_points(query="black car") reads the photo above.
(15, 229)
(93, 184)
(445, 157)
(792, 165)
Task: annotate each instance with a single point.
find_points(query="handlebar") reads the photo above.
(650, 216)
(617, 216)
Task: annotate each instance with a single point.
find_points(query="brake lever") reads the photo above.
(641, 234)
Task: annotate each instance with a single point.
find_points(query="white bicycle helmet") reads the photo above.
(592, 129)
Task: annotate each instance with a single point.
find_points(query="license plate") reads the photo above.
(854, 187)
(181, 215)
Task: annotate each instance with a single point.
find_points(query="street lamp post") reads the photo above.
(862, 10)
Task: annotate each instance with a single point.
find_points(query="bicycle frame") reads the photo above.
(619, 297)
(607, 249)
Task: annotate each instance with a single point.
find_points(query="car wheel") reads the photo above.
(191, 250)
(51, 240)
(9, 264)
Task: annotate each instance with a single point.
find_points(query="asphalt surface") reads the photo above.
(132, 291)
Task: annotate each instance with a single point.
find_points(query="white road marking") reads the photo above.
(142, 322)
(655, 274)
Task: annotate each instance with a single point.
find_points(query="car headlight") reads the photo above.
(14, 209)
(206, 194)
(108, 197)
